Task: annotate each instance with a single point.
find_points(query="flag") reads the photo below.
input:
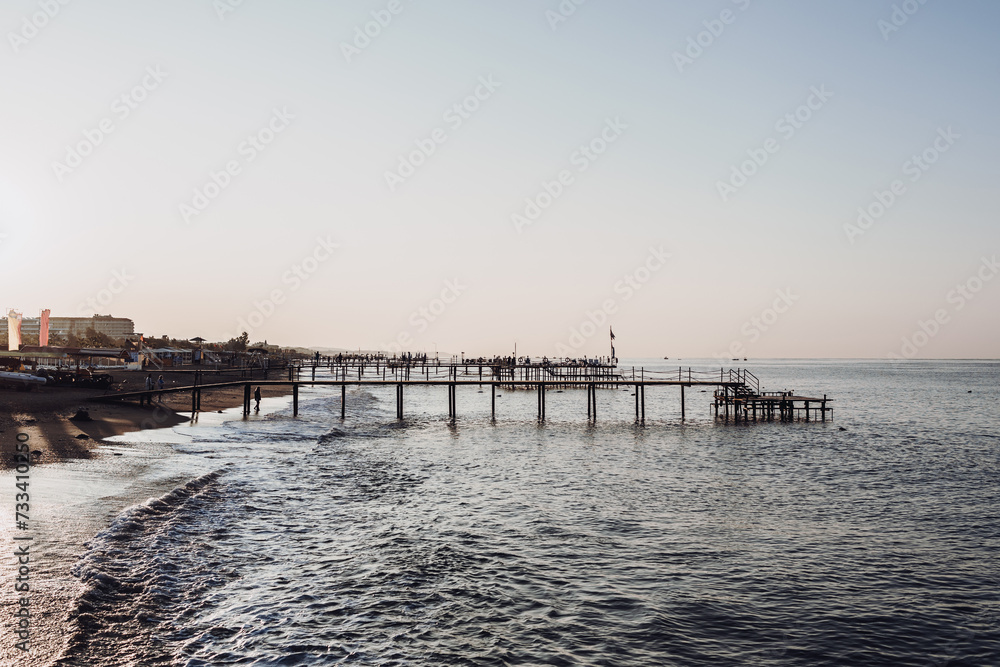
(612, 342)
(612, 333)
(43, 328)
(13, 331)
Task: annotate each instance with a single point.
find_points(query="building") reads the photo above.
(116, 327)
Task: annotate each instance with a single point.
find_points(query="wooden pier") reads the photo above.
(737, 394)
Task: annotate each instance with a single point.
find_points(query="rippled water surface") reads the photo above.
(868, 540)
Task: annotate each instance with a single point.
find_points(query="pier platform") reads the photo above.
(736, 396)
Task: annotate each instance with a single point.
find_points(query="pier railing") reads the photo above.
(743, 382)
(734, 376)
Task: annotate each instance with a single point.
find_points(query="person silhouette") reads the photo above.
(256, 397)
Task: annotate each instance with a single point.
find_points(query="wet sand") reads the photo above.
(44, 414)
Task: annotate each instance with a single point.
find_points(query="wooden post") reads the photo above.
(637, 387)
(194, 401)
(493, 401)
(199, 400)
(343, 401)
(807, 410)
(314, 372)
(295, 400)
(683, 415)
(593, 390)
(823, 407)
(643, 419)
(588, 402)
(399, 401)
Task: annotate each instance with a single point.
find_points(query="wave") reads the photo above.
(135, 577)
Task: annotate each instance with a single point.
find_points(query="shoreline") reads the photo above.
(45, 413)
(71, 504)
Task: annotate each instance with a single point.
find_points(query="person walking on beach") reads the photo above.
(159, 385)
(256, 397)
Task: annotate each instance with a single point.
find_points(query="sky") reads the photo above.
(710, 179)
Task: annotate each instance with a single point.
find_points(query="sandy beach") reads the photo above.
(44, 414)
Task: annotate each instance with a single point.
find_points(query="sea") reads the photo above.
(872, 538)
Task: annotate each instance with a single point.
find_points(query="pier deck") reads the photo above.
(736, 395)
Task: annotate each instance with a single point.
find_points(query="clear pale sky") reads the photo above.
(113, 230)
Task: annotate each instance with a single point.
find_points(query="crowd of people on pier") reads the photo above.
(412, 359)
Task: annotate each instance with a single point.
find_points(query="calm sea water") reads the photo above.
(872, 539)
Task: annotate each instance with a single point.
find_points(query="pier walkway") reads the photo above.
(737, 394)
